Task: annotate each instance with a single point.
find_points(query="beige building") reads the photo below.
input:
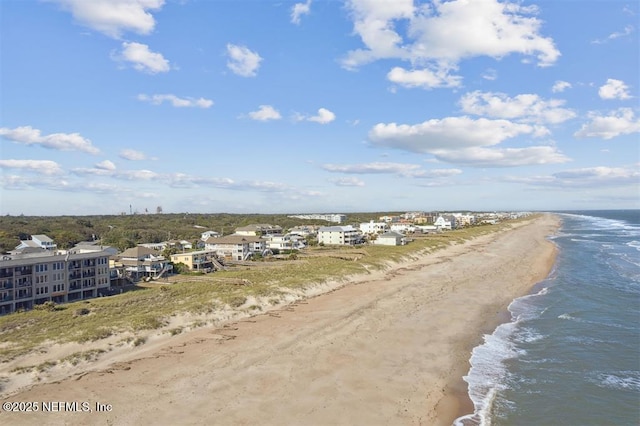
(30, 279)
(201, 260)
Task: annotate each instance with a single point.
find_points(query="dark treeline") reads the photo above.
(126, 231)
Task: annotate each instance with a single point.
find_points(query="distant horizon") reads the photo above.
(310, 105)
(337, 212)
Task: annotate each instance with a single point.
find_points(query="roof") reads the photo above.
(42, 237)
(234, 239)
(347, 228)
(138, 252)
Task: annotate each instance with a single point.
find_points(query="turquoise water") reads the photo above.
(571, 354)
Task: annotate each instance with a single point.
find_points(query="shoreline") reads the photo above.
(388, 306)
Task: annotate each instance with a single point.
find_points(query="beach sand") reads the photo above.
(390, 348)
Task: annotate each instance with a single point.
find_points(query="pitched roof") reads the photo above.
(138, 252)
(234, 239)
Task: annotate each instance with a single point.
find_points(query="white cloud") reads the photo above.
(619, 122)
(324, 116)
(423, 78)
(502, 157)
(142, 59)
(113, 17)
(443, 33)
(176, 101)
(106, 165)
(347, 181)
(490, 74)
(627, 31)
(265, 113)
(27, 135)
(243, 61)
(436, 173)
(527, 107)
(560, 86)
(614, 89)
(447, 133)
(132, 155)
(45, 167)
(372, 168)
(588, 177)
(298, 10)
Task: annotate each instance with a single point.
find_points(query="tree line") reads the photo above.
(125, 231)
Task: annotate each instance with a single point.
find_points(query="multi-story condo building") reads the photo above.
(30, 279)
(339, 235)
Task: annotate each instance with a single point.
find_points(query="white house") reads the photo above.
(209, 234)
(373, 227)
(284, 242)
(236, 247)
(38, 241)
(403, 227)
(442, 223)
(391, 239)
(339, 235)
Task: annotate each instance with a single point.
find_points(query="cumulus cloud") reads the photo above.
(243, 61)
(423, 78)
(298, 10)
(526, 107)
(442, 34)
(462, 140)
(132, 155)
(142, 59)
(446, 133)
(560, 86)
(105, 165)
(265, 113)
(114, 17)
(502, 157)
(27, 135)
(176, 101)
(372, 168)
(45, 167)
(614, 89)
(324, 116)
(619, 122)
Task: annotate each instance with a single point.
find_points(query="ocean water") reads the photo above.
(571, 353)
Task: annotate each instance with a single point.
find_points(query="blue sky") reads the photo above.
(206, 106)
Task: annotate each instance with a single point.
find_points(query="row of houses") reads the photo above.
(37, 272)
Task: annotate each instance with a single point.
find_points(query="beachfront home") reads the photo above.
(259, 230)
(236, 247)
(30, 279)
(371, 228)
(441, 223)
(142, 262)
(339, 235)
(201, 260)
(391, 239)
(37, 241)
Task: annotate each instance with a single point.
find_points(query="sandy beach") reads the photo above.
(389, 348)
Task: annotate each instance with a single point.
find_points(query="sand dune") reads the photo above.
(389, 350)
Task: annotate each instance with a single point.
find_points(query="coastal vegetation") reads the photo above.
(125, 231)
(151, 306)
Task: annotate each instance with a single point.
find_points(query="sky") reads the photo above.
(237, 106)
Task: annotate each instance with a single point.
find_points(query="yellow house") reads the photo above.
(202, 260)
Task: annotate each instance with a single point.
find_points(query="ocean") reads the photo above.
(571, 353)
